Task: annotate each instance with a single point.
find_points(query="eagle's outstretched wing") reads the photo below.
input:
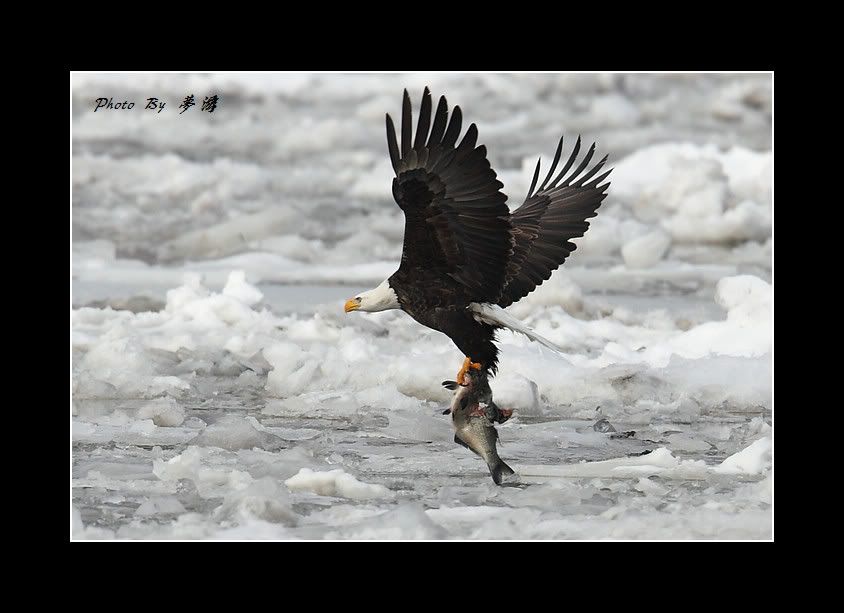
(456, 219)
(545, 223)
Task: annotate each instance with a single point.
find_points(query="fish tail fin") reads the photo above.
(499, 470)
(496, 316)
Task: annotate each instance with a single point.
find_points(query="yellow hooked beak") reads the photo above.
(352, 305)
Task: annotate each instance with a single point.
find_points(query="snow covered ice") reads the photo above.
(219, 391)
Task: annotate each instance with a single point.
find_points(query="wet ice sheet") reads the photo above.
(219, 493)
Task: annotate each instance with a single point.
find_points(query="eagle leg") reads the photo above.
(467, 364)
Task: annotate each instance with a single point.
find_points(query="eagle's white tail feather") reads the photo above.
(495, 315)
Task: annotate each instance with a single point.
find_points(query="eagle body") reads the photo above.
(440, 303)
(465, 256)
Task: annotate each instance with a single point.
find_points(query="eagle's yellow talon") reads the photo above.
(467, 364)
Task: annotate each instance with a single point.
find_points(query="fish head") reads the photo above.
(464, 401)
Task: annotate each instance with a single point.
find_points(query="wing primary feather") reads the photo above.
(595, 182)
(406, 124)
(392, 145)
(454, 126)
(424, 121)
(572, 157)
(440, 118)
(456, 218)
(591, 173)
(580, 168)
(553, 164)
(535, 175)
(469, 141)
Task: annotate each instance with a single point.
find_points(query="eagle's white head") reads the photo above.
(379, 299)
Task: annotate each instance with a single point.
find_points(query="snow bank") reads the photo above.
(148, 354)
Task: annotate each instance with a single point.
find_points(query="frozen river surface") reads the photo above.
(220, 392)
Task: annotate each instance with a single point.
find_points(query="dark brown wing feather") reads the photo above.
(456, 218)
(547, 221)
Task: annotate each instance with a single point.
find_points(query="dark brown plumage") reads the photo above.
(461, 243)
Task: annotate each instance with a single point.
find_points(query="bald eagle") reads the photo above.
(466, 256)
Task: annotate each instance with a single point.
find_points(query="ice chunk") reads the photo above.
(614, 110)
(210, 481)
(645, 251)
(650, 487)
(293, 369)
(166, 412)
(335, 482)
(603, 425)
(682, 442)
(234, 432)
(516, 392)
(182, 466)
(659, 462)
(78, 530)
(167, 505)
(262, 499)
(746, 332)
(229, 236)
(698, 194)
(752, 460)
(237, 287)
(408, 521)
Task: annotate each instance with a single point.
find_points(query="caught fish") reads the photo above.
(473, 422)
(484, 397)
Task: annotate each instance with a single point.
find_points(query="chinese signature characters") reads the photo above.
(209, 104)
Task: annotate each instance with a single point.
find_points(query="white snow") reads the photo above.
(220, 391)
